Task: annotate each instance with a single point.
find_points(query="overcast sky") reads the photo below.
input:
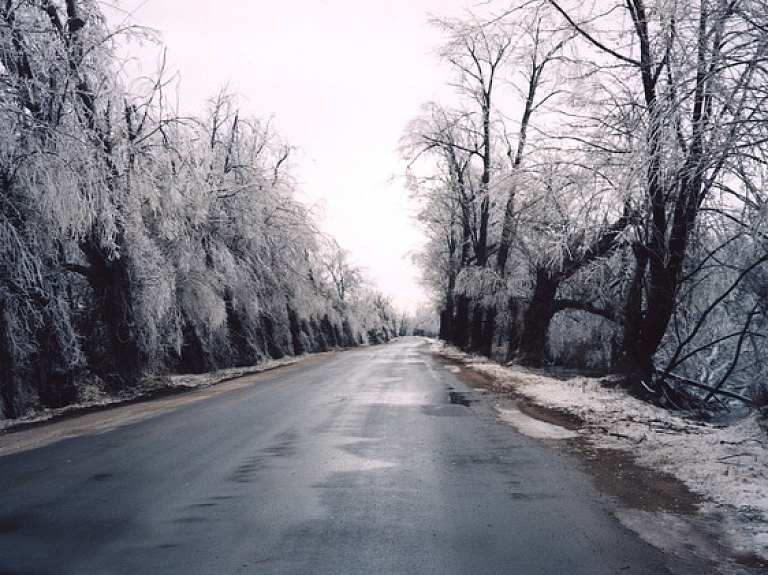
(341, 79)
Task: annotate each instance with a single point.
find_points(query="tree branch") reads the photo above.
(591, 39)
(563, 304)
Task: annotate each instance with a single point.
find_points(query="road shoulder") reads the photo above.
(161, 395)
(670, 497)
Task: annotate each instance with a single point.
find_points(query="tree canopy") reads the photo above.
(137, 242)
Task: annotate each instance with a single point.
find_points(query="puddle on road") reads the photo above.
(449, 410)
(354, 455)
(460, 398)
(521, 496)
(383, 380)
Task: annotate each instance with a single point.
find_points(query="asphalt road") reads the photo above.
(357, 464)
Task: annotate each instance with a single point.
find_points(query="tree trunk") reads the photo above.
(321, 342)
(461, 325)
(349, 336)
(192, 357)
(272, 345)
(627, 357)
(482, 330)
(55, 380)
(476, 328)
(513, 332)
(121, 360)
(326, 327)
(295, 325)
(533, 341)
(9, 406)
(445, 325)
(643, 329)
(237, 334)
(489, 330)
(446, 319)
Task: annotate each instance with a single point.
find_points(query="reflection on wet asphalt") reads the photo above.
(374, 461)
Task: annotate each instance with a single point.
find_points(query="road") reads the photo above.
(376, 460)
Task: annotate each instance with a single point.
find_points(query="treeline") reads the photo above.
(596, 198)
(134, 241)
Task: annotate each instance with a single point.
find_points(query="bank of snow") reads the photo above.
(726, 465)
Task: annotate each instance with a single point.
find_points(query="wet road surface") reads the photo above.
(374, 461)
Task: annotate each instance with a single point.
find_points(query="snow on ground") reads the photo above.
(727, 465)
(534, 427)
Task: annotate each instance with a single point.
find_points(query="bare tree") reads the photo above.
(698, 69)
(450, 205)
(345, 277)
(52, 55)
(477, 52)
(535, 51)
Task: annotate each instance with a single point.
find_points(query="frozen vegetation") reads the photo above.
(137, 242)
(594, 194)
(593, 198)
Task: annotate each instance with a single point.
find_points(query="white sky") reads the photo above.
(341, 79)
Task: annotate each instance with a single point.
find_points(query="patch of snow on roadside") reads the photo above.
(533, 427)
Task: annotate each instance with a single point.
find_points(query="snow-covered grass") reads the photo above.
(726, 465)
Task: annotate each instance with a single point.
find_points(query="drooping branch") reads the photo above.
(675, 359)
(736, 354)
(589, 307)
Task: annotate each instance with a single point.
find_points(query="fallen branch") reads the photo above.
(606, 431)
(735, 455)
(709, 388)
